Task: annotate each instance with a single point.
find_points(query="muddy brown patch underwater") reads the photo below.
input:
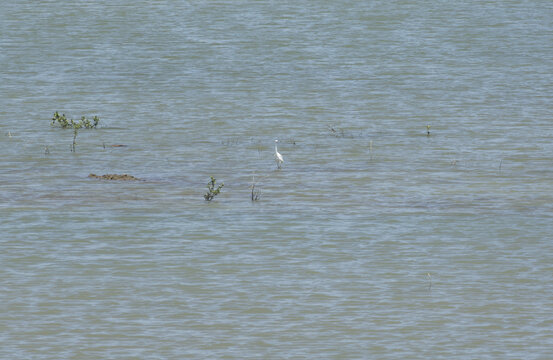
(114, 177)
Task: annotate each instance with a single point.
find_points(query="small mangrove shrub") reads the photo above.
(64, 123)
(211, 190)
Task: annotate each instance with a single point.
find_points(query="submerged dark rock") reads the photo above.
(114, 177)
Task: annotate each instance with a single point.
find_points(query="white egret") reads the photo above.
(278, 158)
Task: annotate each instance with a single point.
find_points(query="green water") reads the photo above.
(374, 240)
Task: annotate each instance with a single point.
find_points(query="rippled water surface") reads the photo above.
(374, 240)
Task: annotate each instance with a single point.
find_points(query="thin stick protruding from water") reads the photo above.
(255, 195)
(429, 277)
(371, 149)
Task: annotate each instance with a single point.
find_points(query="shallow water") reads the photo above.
(374, 240)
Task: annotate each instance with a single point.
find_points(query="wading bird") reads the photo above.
(278, 158)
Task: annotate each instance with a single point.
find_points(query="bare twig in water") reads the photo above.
(430, 280)
(256, 193)
(371, 150)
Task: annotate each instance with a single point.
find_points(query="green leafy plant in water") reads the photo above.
(211, 190)
(65, 123)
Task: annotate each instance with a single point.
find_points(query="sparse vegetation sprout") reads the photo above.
(211, 190)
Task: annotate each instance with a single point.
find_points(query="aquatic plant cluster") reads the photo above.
(64, 123)
(211, 190)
